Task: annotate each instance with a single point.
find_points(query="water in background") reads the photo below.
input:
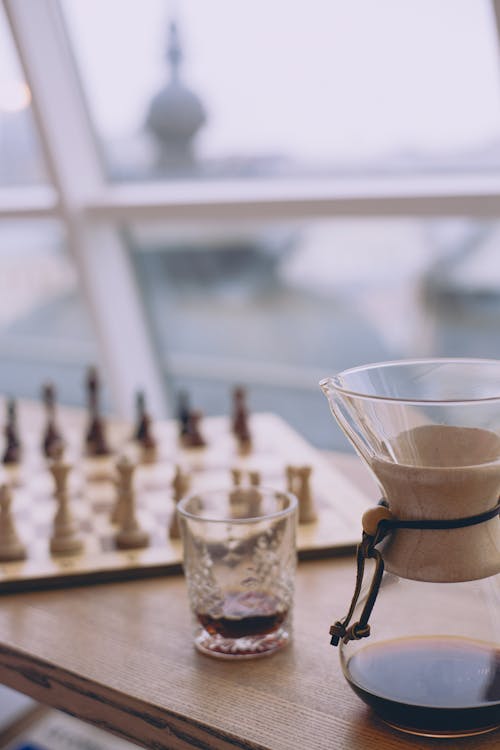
(275, 308)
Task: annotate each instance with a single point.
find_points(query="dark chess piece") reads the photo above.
(183, 414)
(141, 427)
(12, 451)
(193, 438)
(95, 438)
(143, 433)
(239, 424)
(52, 443)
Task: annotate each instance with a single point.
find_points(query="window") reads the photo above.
(328, 197)
(304, 89)
(20, 158)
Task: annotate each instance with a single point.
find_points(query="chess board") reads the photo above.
(92, 491)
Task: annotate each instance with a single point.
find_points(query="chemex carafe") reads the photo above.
(420, 642)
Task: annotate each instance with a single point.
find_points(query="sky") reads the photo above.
(312, 79)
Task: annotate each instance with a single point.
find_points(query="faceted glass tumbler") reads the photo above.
(239, 564)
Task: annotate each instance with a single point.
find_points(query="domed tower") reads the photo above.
(176, 114)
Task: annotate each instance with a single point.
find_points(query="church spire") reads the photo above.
(174, 50)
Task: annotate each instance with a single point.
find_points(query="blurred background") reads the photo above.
(194, 195)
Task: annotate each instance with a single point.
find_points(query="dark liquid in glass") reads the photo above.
(430, 686)
(244, 614)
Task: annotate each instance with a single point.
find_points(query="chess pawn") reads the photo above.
(148, 442)
(11, 547)
(193, 438)
(307, 512)
(254, 496)
(180, 486)
(65, 539)
(235, 494)
(123, 484)
(130, 535)
(291, 475)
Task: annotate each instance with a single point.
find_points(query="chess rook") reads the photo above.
(298, 482)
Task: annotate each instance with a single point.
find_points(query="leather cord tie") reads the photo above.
(378, 522)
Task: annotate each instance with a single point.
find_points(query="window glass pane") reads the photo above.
(278, 307)
(45, 331)
(314, 88)
(20, 157)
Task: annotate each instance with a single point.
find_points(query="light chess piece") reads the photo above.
(65, 539)
(180, 487)
(11, 546)
(255, 497)
(307, 511)
(130, 535)
(235, 494)
(291, 473)
(123, 484)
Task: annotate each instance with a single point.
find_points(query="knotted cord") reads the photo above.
(367, 549)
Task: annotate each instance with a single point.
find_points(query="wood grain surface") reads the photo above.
(121, 657)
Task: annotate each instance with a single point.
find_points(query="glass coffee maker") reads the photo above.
(420, 643)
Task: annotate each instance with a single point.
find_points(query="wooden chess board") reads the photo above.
(275, 444)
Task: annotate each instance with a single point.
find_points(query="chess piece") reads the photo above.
(180, 487)
(307, 512)
(290, 479)
(52, 443)
(130, 535)
(193, 437)
(143, 433)
(123, 485)
(183, 414)
(140, 403)
(255, 498)
(11, 547)
(235, 494)
(239, 425)
(95, 439)
(65, 539)
(12, 451)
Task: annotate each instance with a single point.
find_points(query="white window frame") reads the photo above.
(90, 207)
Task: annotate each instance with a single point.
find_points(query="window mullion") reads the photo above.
(99, 253)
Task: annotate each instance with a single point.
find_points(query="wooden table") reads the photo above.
(120, 656)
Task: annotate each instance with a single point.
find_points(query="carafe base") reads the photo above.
(432, 687)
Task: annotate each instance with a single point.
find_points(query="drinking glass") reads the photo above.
(239, 563)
